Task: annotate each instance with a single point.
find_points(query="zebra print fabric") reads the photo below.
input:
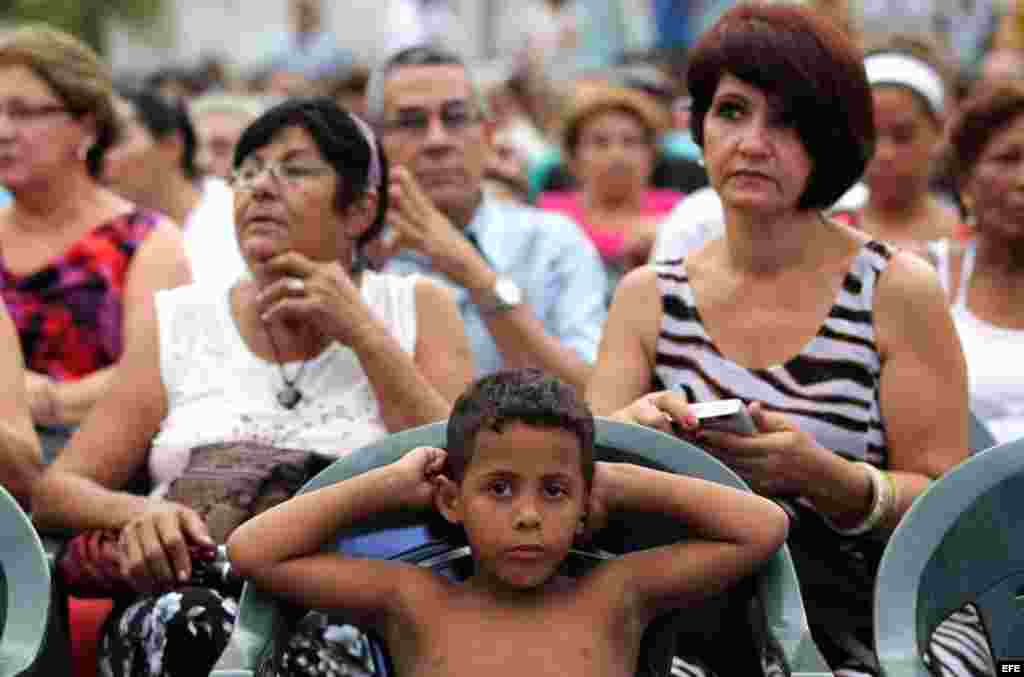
(829, 389)
(960, 647)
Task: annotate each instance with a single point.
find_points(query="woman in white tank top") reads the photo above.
(985, 276)
(308, 354)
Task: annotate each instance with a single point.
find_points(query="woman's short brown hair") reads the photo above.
(592, 100)
(814, 70)
(986, 113)
(74, 72)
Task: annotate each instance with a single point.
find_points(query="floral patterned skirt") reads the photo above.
(183, 633)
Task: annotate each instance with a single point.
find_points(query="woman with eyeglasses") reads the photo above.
(233, 397)
(78, 261)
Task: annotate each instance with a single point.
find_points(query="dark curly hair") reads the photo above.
(526, 396)
(163, 118)
(987, 112)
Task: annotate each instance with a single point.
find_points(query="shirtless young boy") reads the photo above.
(519, 477)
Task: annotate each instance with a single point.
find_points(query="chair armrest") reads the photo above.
(904, 666)
(806, 660)
(255, 627)
(785, 620)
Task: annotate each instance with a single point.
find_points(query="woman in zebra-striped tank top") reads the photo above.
(842, 347)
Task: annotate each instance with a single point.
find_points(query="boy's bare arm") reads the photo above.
(279, 550)
(732, 533)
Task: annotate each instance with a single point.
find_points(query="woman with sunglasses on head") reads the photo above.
(307, 357)
(78, 261)
(840, 347)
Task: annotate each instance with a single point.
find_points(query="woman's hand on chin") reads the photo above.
(318, 293)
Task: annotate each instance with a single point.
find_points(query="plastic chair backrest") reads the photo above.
(778, 588)
(979, 436)
(25, 579)
(960, 542)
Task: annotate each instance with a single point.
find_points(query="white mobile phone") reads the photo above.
(729, 416)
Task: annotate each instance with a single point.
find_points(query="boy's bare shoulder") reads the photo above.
(418, 585)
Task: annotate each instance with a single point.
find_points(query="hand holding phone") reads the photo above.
(729, 416)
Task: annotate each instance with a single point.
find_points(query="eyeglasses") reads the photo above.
(289, 173)
(455, 118)
(23, 113)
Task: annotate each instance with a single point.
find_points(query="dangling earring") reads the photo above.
(967, 207)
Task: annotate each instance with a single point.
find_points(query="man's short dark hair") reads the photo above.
(163, 118)
(527, 396)
(419, 55)
(812, 68)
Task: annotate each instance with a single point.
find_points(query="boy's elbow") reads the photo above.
(774, 527)
(244, 555)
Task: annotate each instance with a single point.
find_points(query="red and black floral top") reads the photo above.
(68, 313)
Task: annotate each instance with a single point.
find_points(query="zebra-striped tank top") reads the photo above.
(829, 389)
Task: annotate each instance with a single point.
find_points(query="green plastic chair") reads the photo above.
(259, 619)
(24, 590)
(960, 542)
(979, 436)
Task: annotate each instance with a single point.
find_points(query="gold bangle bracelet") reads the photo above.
(883, 499)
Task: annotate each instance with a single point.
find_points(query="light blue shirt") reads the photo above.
(552, 261)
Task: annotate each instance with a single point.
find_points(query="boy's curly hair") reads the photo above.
(526, 396)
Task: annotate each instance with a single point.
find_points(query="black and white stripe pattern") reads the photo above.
(960, 647)
(830, 389)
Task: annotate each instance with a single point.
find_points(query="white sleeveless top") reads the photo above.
(996, 385)
(218, 391)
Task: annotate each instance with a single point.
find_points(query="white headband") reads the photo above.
(910, 72)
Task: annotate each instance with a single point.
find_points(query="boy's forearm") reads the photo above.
(712, 511)
(301, 525)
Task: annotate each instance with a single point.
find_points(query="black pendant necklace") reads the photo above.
(289, 396)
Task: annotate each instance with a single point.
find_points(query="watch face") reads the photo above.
(508, 293)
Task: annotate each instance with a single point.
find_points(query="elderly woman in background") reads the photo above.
(219, 120)
(610, 139)
(309, 356)
(78, 261)
(20, 459)
(841, 348)
(153, 163)
(984, 276)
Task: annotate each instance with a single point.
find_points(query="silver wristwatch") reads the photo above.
(503, 296)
